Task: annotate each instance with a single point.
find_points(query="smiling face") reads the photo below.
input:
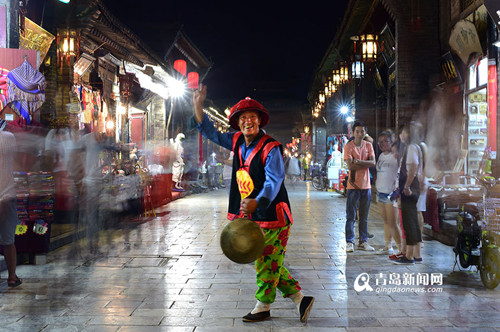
(384, 143)
(249, 122)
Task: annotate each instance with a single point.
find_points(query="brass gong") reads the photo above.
(242, 240)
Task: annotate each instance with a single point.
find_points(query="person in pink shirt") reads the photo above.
(359, 157)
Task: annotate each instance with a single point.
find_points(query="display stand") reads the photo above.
(35, 208)
(333, 168)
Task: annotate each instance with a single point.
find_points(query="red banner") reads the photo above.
(492, 107)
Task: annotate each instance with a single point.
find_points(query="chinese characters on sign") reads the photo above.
(409, 279)
(400, 283)
(464, 40)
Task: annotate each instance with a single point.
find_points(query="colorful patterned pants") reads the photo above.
(271, 273)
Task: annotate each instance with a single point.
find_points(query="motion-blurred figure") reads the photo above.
(93, 145)
(178, 165)
(8, 221)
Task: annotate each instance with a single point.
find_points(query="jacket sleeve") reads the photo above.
(207, 129)
(275, 175)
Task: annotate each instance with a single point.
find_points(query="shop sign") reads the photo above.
(106, 70)
(35, 38)
(464, 40)
(449, 69)
(387, 45)
(493, 7)
(492, 107)
(477, 97)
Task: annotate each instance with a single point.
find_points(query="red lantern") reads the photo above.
(180, 66)
(193, 80)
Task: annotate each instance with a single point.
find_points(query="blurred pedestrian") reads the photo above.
(258, 192)
(293, 170)
(93, 146)
(386, 184)
(8, 204)
(409, 185)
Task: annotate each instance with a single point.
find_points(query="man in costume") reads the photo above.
(258, 193)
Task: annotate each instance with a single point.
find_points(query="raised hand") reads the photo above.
(199, 97)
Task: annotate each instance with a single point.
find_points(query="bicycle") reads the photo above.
(320, 179)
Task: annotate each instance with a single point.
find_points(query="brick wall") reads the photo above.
(417, 55)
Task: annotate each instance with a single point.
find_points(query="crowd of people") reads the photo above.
(401, 188)
(108, 188)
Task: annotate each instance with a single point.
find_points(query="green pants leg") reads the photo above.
(271, 274)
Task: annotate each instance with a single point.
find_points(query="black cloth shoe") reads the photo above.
(260, 316)
(305, 308)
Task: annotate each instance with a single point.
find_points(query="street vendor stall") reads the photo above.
(446, 198)
(22, 88)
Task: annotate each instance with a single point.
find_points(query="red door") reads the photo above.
(137, 129)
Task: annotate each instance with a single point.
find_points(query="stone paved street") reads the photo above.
(173, 277)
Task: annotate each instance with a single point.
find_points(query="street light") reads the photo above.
(344, 109)
(176, 87)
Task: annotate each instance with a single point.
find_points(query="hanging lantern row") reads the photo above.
(221, 122)
(344, 71)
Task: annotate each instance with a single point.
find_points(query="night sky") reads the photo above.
(257, 48)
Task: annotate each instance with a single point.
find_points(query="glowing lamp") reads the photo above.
(180, 66)
(66, 42)
(336, 77)
(176, 88)
(344, 110)
(358, 69)
(321, 98)
(343, 72)
(369, 47)
(193, 80)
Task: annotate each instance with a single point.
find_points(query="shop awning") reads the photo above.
(464, 40)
